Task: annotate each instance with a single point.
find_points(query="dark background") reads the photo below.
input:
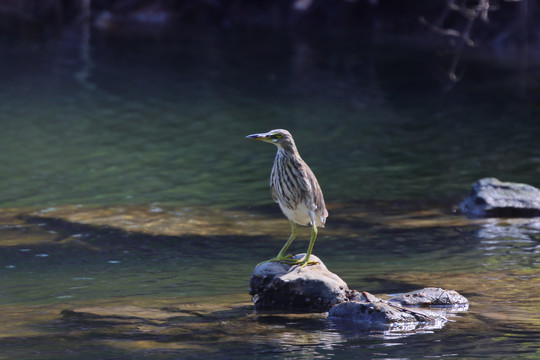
(44, 18)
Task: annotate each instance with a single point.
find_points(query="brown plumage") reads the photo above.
(296, 189)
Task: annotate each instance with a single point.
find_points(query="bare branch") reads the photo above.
(439, 30)
(470, 10)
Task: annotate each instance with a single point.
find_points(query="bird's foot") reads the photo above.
(301, 262)
(288, 260)
(281, 259)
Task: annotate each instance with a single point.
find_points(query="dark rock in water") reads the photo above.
(382, 313)
(430, 297)
(276, 286)
(313, 288)
(373, 312)
(490, 197)
(362, 296)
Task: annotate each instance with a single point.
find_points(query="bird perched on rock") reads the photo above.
(296, 189)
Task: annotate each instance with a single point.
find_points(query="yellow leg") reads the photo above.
(306, 261)
(281, 255)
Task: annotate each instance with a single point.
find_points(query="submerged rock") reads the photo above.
(383, 313)
(120, 314)
(313, 288)
(490, 197)
(430, 297)
(372, 312)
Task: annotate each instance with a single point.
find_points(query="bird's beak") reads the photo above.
(262, 137)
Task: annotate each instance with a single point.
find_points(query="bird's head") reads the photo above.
(279, 137)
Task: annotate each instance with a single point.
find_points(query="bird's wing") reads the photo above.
(316, 198)
(287, 183)
(274, 192)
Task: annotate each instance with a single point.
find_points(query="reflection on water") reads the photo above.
(128, 184)
(511, 244)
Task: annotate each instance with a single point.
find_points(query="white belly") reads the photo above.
(301, 215)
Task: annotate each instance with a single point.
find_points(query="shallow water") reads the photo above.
(127, 181)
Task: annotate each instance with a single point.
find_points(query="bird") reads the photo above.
(296, 189)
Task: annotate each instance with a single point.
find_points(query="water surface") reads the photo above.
(127, 182)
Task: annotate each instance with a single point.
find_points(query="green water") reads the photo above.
(127, 181)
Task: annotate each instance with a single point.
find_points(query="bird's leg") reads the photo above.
(281, 255)
(305, 261)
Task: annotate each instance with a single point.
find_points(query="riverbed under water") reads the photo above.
(128, 188)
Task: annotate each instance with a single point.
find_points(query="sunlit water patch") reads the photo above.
(134, 287)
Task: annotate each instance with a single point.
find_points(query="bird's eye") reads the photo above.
(276, 136)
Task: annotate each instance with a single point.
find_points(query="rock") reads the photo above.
(362, 296)
(277, 286)
(313, 288)
(490, 197)
(430, 297)
(371, 311)
(382, 313)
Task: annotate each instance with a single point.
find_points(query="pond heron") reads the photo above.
(296, 189)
